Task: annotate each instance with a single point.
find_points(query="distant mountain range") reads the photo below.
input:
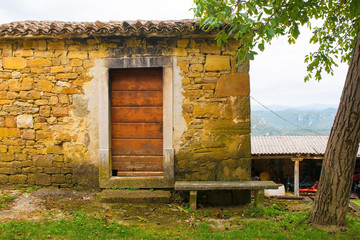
(300, 121)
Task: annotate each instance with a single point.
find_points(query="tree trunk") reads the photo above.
(332, 201)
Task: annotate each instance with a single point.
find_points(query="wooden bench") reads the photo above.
(256, 186)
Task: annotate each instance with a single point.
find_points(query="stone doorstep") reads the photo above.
(135, 196)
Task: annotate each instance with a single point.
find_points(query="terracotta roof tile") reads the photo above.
(111, 28)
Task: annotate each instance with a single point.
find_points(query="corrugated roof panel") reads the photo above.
(289, 145)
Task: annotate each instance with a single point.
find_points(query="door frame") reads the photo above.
(106, 180)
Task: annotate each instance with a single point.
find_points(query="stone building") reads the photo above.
(120, 104)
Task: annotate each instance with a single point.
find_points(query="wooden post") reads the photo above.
(296, 175)
(193, 199)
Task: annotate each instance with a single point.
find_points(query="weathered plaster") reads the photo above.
(179, 121)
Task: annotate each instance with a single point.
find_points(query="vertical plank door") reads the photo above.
(137, 122)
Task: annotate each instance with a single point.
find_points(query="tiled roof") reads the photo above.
(289, 145)
(111, 28)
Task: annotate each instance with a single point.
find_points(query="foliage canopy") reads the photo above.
(256, 22)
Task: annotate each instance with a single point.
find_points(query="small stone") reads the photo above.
(57, 69)
(39, 63)
(9, 132)
(17, 179)
(45, 111)
(60, 111)
(44, 85)
(10, 122)
(14, 85)
(42, 161)
(78, 54)
(25, 121)
(63, 98)
(217, 63)
(43, 179)
(53, 100)
(29, 134)
(13, 62)
(27, 84)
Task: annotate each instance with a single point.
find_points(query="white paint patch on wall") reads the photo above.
(179, 121)
(91, 92)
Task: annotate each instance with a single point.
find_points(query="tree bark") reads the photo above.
(332, 200)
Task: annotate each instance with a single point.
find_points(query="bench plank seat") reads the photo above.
(194, 186)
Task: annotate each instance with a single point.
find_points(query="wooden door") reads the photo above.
(137, 122)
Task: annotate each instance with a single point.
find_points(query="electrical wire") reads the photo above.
(308, 130)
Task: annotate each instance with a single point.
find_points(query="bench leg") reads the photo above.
(193, 199)
(259, 198)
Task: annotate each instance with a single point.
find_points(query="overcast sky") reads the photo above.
(276, 74)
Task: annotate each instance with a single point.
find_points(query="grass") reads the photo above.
(5, 199)
(357, 202)
(273, 222)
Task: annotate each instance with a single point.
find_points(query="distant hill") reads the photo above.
(315, 119)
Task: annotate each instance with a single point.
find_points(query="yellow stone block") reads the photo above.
(78, 83)
(67, 90)
(210, 48)
(3, 94)
(66, 76)
(5, 75)
(10, 122)
(36, 70)
(57, 69)
(184, 66)
(14, 85)
(235, 84)
(60, 111)
(76, 62)
(78, 54)
(207, 110)
(24, 53)
(194, 74)
(14, 62)
(4, 86)
(3, 148)
(9, 132)
(5, 102)
(98, 54)
(181, 52)
(56, 45)
(53, 100)
(89, 63)
(11, 95)
(39, 63)
(43, 54)
(193, 93)
(44, 85)
(27, 84)
(54, 149)
(216, 63)
(196, 67)
(182, 43)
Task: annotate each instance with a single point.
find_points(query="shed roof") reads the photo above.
(111, 28)
(315, 145)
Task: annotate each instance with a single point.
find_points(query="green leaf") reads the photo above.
(270, 33)
(261, 47)
(355, 8)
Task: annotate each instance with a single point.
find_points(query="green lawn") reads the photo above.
(274, 222)
(357, 202)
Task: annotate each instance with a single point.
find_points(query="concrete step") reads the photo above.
(135, 196)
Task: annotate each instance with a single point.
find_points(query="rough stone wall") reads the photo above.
(216, 108)
(48, 131)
